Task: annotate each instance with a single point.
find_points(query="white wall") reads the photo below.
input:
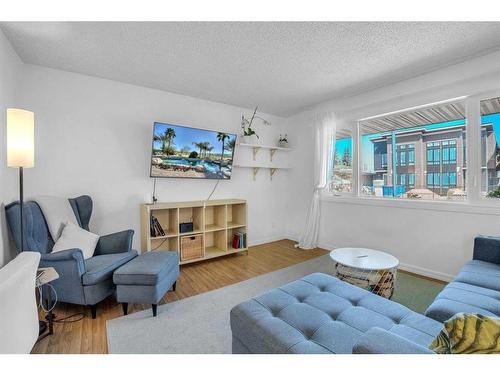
(9, 70)
(432, 242)
(93, 136)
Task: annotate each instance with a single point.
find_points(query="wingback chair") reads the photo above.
(82, 282)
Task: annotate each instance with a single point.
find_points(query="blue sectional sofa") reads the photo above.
(476, 289)
(321, 314)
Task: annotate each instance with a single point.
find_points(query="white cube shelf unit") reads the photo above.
(216, 220)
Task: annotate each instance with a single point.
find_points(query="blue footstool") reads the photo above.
(146, 278)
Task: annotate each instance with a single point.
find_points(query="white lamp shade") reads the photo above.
(20, 138)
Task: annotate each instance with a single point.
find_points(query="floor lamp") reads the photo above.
(20, 149)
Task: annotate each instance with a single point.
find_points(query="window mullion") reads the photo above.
(473, 146)
(356, 190)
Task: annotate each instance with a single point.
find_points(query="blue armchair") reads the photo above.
(82, 282)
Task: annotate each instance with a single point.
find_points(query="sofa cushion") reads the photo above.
(482, 274)
(461, 297)
(148, 269)
(101, 267)
(321, 314)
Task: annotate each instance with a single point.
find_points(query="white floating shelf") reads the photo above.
(264, 166)
(256, 168)
(256, 149)
(265, 147)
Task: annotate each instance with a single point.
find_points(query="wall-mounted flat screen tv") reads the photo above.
(185, 152)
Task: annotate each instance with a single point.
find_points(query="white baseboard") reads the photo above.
(403, 266)
(264, 240)
(426, 272)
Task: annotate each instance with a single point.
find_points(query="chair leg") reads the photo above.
(154, 309)
(174, 286)
(93, 311)
(125, 308)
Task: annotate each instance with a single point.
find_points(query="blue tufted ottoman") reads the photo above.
(146, 278)
(321, 314)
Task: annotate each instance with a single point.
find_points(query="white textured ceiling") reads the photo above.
(282, 67)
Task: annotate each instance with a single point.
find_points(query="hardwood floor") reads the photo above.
(89, 336)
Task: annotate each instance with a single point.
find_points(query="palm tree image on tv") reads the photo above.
(166, 140)
(222, 138)
(180, 151)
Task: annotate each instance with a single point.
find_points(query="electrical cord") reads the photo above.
(49, 309)
(213, 190)
(161, 243)
(65, 319)
(40, 303)
(210, 196)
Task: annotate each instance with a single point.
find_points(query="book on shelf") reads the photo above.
(156, 228)
(239, 240)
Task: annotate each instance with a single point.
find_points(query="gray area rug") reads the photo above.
(200, 324)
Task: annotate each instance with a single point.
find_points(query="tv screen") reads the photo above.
(181, 151)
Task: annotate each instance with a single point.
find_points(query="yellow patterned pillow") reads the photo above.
(468, 334)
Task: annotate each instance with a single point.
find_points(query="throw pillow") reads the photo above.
(468, 334)
(74, 237)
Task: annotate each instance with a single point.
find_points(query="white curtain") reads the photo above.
(324, 134)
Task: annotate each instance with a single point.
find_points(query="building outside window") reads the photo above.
(425, 144)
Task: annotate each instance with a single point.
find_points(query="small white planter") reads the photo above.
(249, 139)
(283, 144)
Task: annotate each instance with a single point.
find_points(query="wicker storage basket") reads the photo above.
(191, 247)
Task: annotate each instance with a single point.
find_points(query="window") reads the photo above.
(433, 180)
(433, 153)
(490, 154)
(437, 179)
(446, 155)
(403, 157)
(453, 179)
(453, 155)
(341, 176)
(415, 154)
(411, 180)
(422, 153)
(384, 160)
(446, 179)
(436, 156)
(411, 157)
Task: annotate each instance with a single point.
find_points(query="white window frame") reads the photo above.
(474, 202)
(484, 200)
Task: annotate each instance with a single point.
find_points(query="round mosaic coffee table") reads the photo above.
(369, 269)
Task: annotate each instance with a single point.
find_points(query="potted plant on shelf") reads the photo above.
(283, 141)
(248, 131)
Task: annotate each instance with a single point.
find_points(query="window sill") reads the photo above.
(482, 207)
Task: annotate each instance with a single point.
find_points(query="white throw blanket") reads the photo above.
(57, 212)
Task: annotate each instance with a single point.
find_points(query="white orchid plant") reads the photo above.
(246, 124)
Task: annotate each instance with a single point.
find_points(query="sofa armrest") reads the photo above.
(380, 341)
(74, 256)
(487, 249)
(119, 242)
